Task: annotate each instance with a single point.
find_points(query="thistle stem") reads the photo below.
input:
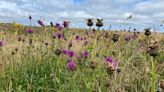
(153, 87)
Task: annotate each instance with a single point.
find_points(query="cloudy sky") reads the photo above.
(146, 13)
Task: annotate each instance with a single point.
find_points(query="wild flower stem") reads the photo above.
(153, 87)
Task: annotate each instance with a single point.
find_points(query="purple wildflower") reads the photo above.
(64, 51)
(108, 60)
(65, 24)
(57, 35)
(85, 54)
(58, 26)
(40, 22)
(2, 43)
(115, 65)
(111, 63)
(71, 65)
(77, 37)
(30, 31)
(71, 53)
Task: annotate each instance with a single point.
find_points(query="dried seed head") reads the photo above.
(51, 23)
(30, 17)
(13, 53)
(162, 84)
(57, 52)
(118, 70)
(153, 50)
(115, 37)
(99, 23)
(109, 69)
(147, 31)
(106, 35)
(93, 64)
(46, 43)
(108, 83)
(90, 22)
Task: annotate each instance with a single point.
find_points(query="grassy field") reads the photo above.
(80, 60)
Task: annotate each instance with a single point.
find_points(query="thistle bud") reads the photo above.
(147, 32)
(99, 23)
(90, 22)
(153, 50)
(57, 52)
(51, 23)
(93, 64)
(162, 84)
(30, 17)
(115, 37)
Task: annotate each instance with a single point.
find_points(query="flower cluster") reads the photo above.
(2, 43)
(68, 53)
(71, 65)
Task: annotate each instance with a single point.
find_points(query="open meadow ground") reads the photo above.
(80, 60)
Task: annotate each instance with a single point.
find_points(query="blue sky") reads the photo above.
(146, 13)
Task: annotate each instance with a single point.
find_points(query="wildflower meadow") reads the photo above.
(57, 58)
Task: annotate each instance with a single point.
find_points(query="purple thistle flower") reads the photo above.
(85, 54)
(64, 51)
(71, 53)
(57, 35)
(2, 43)
(71, 65)
(65, 24)
(30, 31)
(77, 37)
(110, 61)
(58, 26)
(40, 22)
(115, 65)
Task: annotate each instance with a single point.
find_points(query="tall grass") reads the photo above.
(37, 68)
